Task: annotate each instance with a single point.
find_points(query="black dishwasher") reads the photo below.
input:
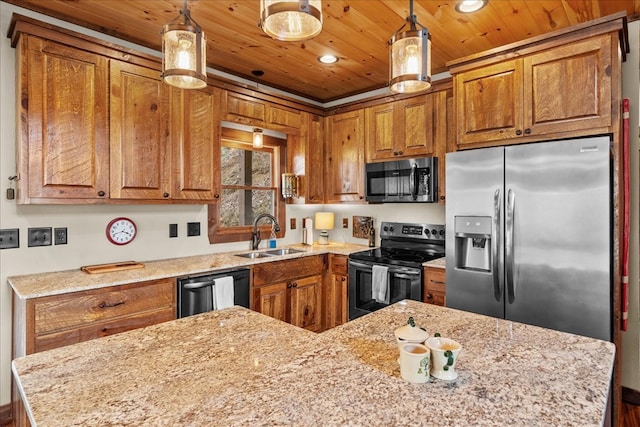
(196, 293)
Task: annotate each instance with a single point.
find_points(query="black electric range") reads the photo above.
(406, 244)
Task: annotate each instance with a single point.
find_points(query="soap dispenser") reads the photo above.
(272, 238)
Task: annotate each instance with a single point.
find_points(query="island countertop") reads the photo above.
(239, 367)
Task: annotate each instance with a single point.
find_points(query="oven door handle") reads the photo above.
(407, 276)
(393, 270)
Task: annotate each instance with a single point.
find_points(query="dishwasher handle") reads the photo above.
(199, 285)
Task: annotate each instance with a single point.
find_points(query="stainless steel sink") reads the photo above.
(283, 251)
(254, 255)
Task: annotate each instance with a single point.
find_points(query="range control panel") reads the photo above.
(414, 231)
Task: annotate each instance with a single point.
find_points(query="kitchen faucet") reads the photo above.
(255, 238)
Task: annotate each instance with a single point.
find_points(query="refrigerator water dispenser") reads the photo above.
(473, 242)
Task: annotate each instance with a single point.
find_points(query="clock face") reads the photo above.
(121, 231)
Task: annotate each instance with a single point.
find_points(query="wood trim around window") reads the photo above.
(244, 233)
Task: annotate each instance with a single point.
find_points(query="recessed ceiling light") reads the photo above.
(328, 59)
(468, 6)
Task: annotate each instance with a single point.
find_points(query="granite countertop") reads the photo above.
(239, 367)
(60, 282)
(438, 263)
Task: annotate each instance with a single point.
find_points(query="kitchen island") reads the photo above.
(238, 367)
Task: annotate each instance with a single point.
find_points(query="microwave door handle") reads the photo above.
(412, 181)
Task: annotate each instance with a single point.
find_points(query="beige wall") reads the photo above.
(86, 224)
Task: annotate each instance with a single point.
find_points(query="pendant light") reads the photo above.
(184, 52)
(410, 57)
(291, 20)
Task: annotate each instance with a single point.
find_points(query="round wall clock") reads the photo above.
(121, 231)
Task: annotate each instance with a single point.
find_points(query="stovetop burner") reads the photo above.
(406, 244)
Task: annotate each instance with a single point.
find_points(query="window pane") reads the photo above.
(240, 207)
(246, 167)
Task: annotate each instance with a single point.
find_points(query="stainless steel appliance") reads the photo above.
(393, 272)
(411, 180)
(529, 234)
(196, 294)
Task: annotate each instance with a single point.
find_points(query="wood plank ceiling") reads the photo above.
(356, 31)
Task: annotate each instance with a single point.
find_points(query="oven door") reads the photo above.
(403, 282)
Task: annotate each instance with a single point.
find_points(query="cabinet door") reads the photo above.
(306, 303)
(239, 108)
(344, 175)
(435, 286)
(140, 152)
(568, 88)
(489, 104)
(195, 133)
(271, 300)
(64, 151)
(380, 132)
(337, 303)
(305, 158)
(418, 121)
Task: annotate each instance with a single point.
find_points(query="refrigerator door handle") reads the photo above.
(497, 207)
(509, 256)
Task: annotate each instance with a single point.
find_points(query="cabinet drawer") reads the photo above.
(436, 279)
(281, 271)
(60, 312)
(338, 264)
(102, 329)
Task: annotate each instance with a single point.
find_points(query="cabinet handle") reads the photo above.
(165, 195)
(109, 305)
(518, 132)
(527, 131)
(216, 196)
(438, 282)
(101, 193)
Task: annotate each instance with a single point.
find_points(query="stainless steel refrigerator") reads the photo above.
(529, 234)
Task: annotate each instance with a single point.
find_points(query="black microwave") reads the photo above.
(411, 180)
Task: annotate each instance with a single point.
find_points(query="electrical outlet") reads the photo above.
(39, 236)
(60, 236)
(173, 230)
(292, 223)
(193, 229)
(10, 238)
(345, 222)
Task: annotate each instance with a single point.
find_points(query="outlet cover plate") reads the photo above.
(60, 235)
(10, 238)
(39, 236)
(173, 230)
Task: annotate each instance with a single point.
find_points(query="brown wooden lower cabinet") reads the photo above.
(435, 285)
(54, 321)
(337, 301)
(291, 290)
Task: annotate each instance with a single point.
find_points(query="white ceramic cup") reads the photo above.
(415, 360)
(444, 355)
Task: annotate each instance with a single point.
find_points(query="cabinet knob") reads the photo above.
(344, 279)
(295, 285)
(441, 197)
(518, 132)
(288, 285)
(527, 131)
(216, 196)
(165, 195)
(101, 193)
(429, 296)
(400, 153)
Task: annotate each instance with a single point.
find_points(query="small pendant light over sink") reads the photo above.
(184, 52)
(291, 20)
(410, 57)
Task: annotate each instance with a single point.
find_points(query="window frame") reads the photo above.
(219, 234)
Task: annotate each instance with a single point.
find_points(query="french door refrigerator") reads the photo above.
(529, 234)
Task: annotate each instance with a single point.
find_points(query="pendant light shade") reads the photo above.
(410, 57)
(184, 52)
(291, 20)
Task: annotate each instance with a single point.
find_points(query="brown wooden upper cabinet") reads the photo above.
(557, 89)
(95, 129)
(406, 128)
(305, 158)
(247, 110)
(63, 148)
(344, 173)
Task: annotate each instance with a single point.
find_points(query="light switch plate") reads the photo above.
(10, 238)
(39, 236)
